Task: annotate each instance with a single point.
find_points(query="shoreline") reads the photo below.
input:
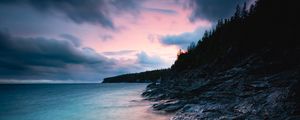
(234, 96)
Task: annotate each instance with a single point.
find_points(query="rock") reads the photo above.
(243, 96)
(169, 106)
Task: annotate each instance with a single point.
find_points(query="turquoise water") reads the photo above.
(75, 102)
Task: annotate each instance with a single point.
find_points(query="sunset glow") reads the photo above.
(105, 37)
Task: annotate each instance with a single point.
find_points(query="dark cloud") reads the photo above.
(213, 9)
(184, 39)
(82, 11)
(42, 58)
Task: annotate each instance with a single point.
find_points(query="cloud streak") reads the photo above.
(160, 10)
(121, 52)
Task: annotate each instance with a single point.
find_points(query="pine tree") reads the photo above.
(220, 23)
(252, 8)
(206, 35)
(237, 13)
(244, 11)
(191, 47)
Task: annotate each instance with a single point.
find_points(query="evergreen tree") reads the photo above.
(244, 11)
(237, 13)
(206, 35)
(191, 47)
(252, 8)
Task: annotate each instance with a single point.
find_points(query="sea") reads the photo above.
(107, 101)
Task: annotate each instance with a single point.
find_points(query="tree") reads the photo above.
(226, 21)
(252, 8)
(237, 13)
(244, 11)
(191, 47)
(220, 23)
(206, 35)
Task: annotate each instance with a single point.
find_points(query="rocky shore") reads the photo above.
(237, 93)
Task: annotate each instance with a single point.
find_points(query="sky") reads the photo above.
(58, 41)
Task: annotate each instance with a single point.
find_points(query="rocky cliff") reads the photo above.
(245, 91)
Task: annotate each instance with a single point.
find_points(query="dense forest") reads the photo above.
(264, 27)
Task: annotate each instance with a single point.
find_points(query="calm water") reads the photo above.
(75, 102)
